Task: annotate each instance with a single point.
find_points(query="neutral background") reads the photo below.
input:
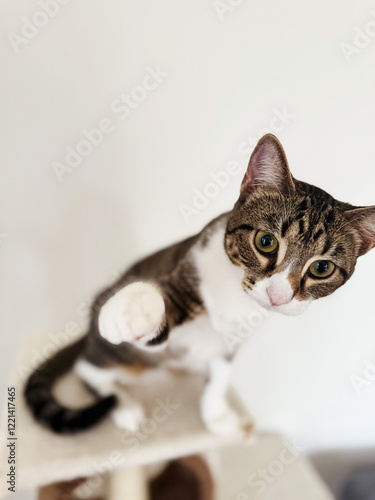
(228, 77)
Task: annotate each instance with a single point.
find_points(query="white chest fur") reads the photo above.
(232, 314)
(221, 286)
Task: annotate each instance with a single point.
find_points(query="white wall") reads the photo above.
(225, 79)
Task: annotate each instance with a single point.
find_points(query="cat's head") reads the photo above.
(294, 241)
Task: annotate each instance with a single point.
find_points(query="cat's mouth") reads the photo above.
(290, 307)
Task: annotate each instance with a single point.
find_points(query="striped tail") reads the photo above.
(47, 410)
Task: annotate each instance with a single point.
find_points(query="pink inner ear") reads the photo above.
(261, 165)
(368, 238)
(247, 179)
(268, 167)
(364, 220)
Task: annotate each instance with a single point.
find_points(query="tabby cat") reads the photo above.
(284, 244)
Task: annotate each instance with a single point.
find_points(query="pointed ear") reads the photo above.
(268, 168)
(364, 220)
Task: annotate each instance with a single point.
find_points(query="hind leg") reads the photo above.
(129, 413)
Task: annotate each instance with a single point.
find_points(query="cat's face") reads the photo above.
(294, 241)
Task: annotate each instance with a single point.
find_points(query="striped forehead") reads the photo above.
(310, 225)
(310, 228)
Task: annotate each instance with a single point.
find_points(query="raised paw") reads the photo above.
(135, 314)
(129, 418)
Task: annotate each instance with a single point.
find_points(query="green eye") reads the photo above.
(266, 242)
(322, 268)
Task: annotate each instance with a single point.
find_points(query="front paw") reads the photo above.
(226, 423)
(135, 314)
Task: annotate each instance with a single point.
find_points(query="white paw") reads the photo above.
(129, 418)
(226, 424)
(134, 314)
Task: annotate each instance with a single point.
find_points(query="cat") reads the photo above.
(284, 244)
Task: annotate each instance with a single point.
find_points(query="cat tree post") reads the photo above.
(128, 483)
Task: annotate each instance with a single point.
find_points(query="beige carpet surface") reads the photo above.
(173, 428)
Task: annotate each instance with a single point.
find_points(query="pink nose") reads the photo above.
(279, 296)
